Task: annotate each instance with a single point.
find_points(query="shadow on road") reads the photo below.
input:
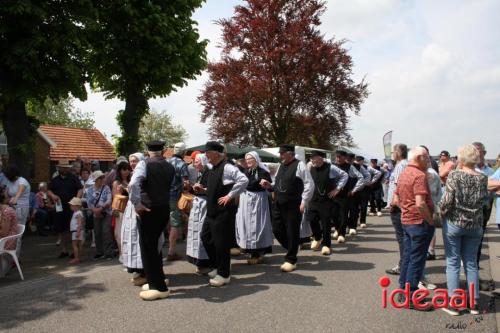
(26, 302)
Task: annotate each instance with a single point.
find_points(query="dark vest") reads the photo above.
(378, 184)
(254, 177)
(351, 181)
(156, 187)
(323, 184)
(216, 189)
(288, 187)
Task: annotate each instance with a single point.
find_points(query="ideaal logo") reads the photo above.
(439, 300)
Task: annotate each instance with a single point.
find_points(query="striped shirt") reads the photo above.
(393, 180)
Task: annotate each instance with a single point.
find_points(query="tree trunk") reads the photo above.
(20, 136)
(136, 106)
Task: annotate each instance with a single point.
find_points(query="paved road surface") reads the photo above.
(338, 293)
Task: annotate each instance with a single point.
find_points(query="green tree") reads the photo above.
(61, 113)
(43, 50)
(143, 49)
(159, 126)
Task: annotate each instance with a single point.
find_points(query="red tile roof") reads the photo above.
(73, 142)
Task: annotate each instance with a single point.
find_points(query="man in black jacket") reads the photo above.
(150, 194)
(225, 183)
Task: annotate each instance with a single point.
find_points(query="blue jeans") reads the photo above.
(398, 227)
(417, 238)
(461, 245)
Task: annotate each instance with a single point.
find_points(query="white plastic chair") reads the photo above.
(12, 253)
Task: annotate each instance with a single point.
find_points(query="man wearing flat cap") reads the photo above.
(293, 189)
(328, 182)
(344, 198)
(150, 195)
(225, 183)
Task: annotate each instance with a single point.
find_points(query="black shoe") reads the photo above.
(98, 257)
(427, 309)
(109, 257)
(486, 285)
(393, 271)
(431, 256)
(72, 256)
(63, 255)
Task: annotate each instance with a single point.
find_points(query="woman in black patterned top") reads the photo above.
(461, 207)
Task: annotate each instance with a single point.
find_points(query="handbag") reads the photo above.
(119, 203)
(185, 202)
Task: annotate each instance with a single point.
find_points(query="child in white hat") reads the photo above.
(77, 227)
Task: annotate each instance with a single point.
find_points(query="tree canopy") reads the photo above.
(159, 126)
(143, 49)
(43, 54)
(61, 113)
(279, 80)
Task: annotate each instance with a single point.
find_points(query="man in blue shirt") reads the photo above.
(180, 178)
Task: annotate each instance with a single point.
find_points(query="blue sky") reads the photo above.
(433, 69)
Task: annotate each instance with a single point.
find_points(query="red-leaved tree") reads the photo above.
(279, 80)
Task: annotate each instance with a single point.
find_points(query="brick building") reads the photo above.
(55, 143)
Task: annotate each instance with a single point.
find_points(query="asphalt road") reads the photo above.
(337, 293)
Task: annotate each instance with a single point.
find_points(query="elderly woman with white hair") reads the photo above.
(462, 206)
(195, 251)
(254, 232)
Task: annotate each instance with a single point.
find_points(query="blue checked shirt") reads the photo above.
(104, 200)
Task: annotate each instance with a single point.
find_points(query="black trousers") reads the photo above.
(286, 227)
(376, 201)
(486, 217)
(217, 237)
(151, 225)
(340, 212)
(319, 216)
(358, 206)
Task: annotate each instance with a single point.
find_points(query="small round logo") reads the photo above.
(384, 281)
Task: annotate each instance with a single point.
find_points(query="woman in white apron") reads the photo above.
(253, 220)
(195, 251)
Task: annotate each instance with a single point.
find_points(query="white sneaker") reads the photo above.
(315, 245)
(212, 273)
(146, 286)
(341, 239)
(325, 250)
(219, 281)
(335, 234)
(363, 225)
(92, 245)
(371, 214)
(352, 232)
(426, 285)
(288, 267)
(379, 214)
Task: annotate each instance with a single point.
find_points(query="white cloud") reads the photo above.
(433, 69)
